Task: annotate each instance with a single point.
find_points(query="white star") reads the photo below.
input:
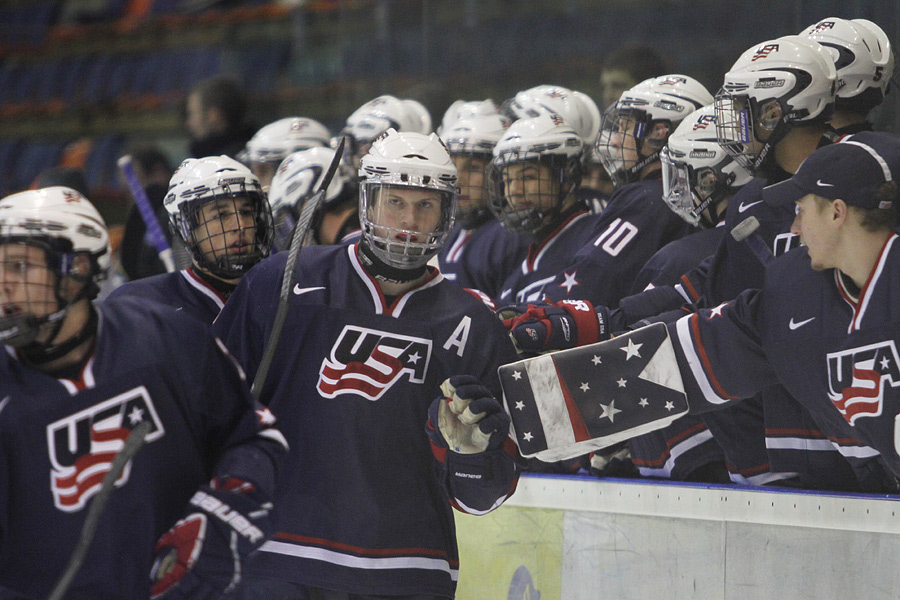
(717, 311)
(597, 360)
(517, 375)
(414, 358)
(631, 350)
(585, 387)
(670, 405)
(520, 405)
(609, 410)
(621, 382)
(885, 363)
(265, 416)
(136, 415)
(644, 402)
(528, 437)
(570, 281)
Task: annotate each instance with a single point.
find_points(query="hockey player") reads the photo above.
(336, 221)
(636, 223)
(272, 144)
(581, 112)
(824, 323)
(865, 64)
(75, 380)
(479, 252)
(366, 500)
(218, 209)
(781, 124)
(699, 179)
(378, 115)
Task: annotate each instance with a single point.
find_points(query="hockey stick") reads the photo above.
(301, 229)
(133, 443)
(745, 231)
(147, 214)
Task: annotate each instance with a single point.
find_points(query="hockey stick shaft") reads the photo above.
(133, 443)
(297, 236)
(163, 250)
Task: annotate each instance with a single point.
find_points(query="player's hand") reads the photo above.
(543, 327)
(200, 557)
(467, 419)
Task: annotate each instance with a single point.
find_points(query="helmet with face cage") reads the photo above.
(698, 175)
(272, 143)
(401, 161)
(547, 140)
(223, 181)
(74, 238)
(772, 87)
(475, 138)
(641, 121)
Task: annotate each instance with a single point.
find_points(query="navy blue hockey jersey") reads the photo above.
(182, 290)
(58, 438)
(481, 258)
(359, 507)
(635, 224)
(834, 352)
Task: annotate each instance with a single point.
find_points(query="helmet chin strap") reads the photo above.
(380, 270)
(39, 353)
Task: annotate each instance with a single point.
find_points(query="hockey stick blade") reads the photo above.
(154, 231)
(133, 443)
(297, 237)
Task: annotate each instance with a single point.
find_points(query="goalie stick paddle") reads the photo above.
(297, 237)
(133, 443)
(163, 250)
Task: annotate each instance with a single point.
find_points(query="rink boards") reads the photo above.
(571, 538)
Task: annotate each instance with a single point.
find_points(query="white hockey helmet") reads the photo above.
(697, 173)
(69, 229)
(474, 138)
(462, 109)
(771, 87)
(200, 181)
(297, 178)
(863, 59)
(637, 126)
(550, 141)
(576, 108)
(378, 115)
(273, 142)
(408, 160)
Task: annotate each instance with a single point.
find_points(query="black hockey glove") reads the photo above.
(546, 327)
(467, 419)
(200, 557)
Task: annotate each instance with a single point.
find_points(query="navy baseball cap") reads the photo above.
(850, 170)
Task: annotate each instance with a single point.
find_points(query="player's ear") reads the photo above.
(839, 210)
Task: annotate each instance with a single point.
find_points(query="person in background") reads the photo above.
(217, 117)
(626, 67)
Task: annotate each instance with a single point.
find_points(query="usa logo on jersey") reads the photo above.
(367, 362)
(856, 379)
(82, 446)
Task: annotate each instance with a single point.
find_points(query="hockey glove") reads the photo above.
(200, 557)
(467, 419)
(565, 324)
